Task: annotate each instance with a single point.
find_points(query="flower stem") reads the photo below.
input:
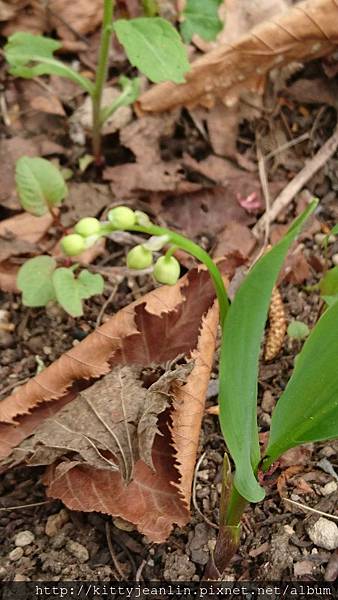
(101, 76)
(191, 248)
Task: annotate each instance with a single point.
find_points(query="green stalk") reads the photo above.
(191, 248)
(101, 76)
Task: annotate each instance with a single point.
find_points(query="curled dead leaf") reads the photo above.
(166, 323)
(306, 31)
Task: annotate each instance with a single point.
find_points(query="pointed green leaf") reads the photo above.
(201, 17)
(70, 291)
(241, 340)
(35, 281)
(154, 47)
(31, 55)
(308, 408)
(40, 185)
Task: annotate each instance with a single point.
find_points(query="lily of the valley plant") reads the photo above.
(307, 410)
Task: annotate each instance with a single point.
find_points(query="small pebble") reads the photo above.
(329, 488)
(77, 550)
(324, 533)
(16, 554)
(335, 259)
(56, 522)
(24, 538)
(6, 339)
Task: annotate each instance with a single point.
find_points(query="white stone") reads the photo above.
(324, 533)
(77, 550)
(329, 488)
(16, 554)
(335, 259)
(24, 538)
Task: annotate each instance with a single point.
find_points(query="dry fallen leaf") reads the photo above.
(82, 16)
(10, 151)
(306, 31)
(166, 323)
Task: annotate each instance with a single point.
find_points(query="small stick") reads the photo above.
(9, 508)
(112, 553)
(298, 182)
(308, 508)
(194, 500)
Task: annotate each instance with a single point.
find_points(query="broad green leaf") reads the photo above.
(328, 285)
(298, 330)
(308, 408)
(31, 55)
(90, 284)
(154, 47)
(241, 340)
(201, 17)
(70, 291)
(130, 93)
(35, 281)
(39, 184)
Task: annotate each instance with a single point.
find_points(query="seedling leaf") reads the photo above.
(70, 291)
(298, 330)
(308, 409)
(40, 185)
(201, 17)
(154, 47)
(35, 281)
(241, 340)
(130, 93)
(31, 55)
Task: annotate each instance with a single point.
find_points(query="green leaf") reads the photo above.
(308, 408)
(154, 47)
(328, 285)
(241, 340)
(330, 300)
(70, 291)
(298, 330)
(334, 230)
(35, 281)
(201, 17)
(130, 93)
(31, 55)
(40, 185)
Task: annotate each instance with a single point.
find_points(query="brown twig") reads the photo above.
(112, 553)
(298, 182)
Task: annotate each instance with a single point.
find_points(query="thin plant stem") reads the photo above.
(191, 248)
(101, 76)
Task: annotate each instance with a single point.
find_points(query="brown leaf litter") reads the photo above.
(305, 32)
(109, 438)
(19, 235)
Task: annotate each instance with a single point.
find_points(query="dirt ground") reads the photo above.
(58, 544)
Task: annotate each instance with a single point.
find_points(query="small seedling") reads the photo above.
(151, 44)
(297, 330)
(307, 410)
(40, 185)
(41, 282)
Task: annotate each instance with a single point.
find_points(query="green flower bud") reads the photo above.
(87, 226)
(139, 258)
(73, 244)
(167, 270)
(122, 217)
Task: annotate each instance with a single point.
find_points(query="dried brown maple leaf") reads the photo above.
(110, 425)
(306, 31)
(164, 324)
